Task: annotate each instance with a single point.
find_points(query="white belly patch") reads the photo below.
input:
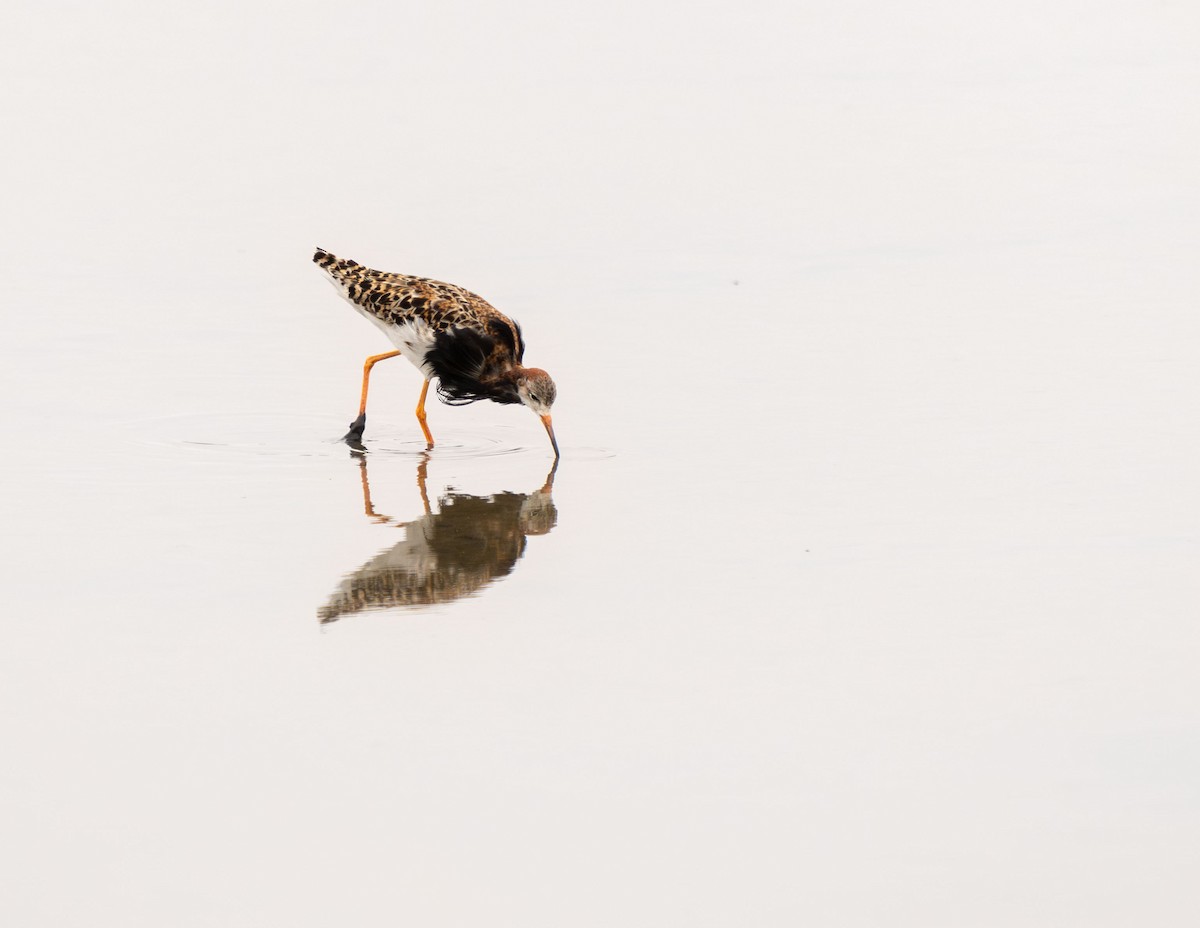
(413, 337)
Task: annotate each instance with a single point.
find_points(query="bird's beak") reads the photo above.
(550, 431)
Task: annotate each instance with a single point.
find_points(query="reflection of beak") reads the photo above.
(550, 431)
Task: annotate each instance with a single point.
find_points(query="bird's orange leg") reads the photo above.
(357, 426)
(421, 416)
(367, 365)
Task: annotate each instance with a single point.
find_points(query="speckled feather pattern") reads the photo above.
(396, 300)
(449, 334)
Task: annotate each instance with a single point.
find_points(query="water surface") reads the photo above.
(864, 591)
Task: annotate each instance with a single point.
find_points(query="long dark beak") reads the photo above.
(550, 431)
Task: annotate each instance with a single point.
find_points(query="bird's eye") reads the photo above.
(533, 397)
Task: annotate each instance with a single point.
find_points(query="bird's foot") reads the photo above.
(354, 437)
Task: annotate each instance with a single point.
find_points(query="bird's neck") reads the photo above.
(510, 375)
(505, 382)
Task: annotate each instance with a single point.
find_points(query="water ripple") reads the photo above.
(297, 436)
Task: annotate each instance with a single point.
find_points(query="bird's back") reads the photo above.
(446, 331)
(395, 299)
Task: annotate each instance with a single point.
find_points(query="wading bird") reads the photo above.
(473, 349)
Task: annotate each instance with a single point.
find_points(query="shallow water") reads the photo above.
(864, 591)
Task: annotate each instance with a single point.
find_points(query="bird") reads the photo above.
(447, 332)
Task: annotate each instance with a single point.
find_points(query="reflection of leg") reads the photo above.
(420, 414)
(422, 475)
(368, 506)
(357, 426)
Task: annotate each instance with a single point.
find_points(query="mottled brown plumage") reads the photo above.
(450, 334)
(395, 299)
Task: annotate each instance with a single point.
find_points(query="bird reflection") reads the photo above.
(445, 555)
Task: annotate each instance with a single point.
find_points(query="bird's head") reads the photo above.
(537, 391)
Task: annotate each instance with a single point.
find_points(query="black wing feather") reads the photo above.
(459, 358)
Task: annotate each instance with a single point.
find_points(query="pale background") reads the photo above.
(873, 594)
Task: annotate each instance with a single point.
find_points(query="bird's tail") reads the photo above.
(342, 270)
